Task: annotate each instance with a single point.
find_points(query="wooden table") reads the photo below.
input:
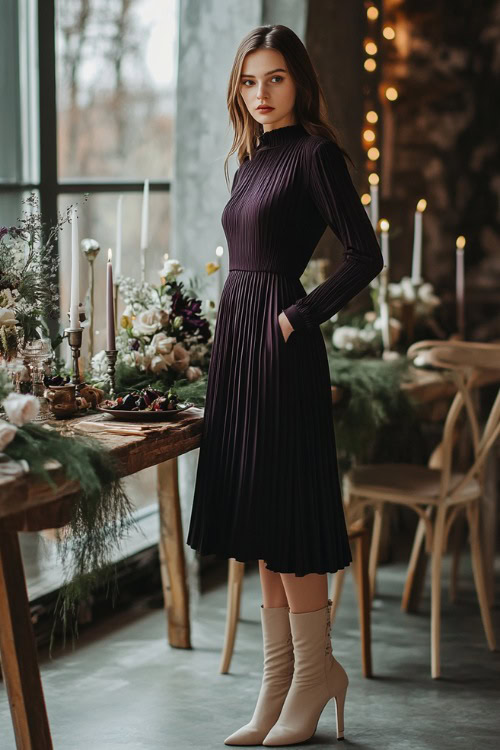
(28, 504)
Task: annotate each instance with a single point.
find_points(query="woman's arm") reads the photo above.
(339, 204)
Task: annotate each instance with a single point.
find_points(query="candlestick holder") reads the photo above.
(74, 336)
(111, 355)
(90, 249)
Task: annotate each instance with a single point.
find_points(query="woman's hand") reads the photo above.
(286, 326)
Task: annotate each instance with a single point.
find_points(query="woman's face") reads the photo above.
(265, 80)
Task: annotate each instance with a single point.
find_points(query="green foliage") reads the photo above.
(376, 419)
(101, 513)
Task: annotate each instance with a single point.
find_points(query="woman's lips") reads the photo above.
(264, 109)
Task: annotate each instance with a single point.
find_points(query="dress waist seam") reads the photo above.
(265, 270)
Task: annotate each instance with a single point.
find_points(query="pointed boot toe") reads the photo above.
(276, 679)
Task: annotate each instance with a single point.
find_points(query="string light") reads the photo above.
(372, 116)
(371, 48)
(369, 135)
(388, 32)
(391, 93)
(373, 178)
(373, 153)
(370, 64)
(372, 13)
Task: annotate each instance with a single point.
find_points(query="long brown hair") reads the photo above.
(310, 108)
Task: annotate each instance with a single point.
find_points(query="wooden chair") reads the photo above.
(358, 534)
(438, 495)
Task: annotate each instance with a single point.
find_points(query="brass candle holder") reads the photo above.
(90, 249)
(74, 336)
(111, 355)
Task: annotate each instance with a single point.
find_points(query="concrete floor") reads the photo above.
(123, 687)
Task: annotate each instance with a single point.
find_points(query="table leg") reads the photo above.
(175, 590)
(363, 552)
(18, 651)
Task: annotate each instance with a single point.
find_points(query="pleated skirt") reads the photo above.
(267, 483)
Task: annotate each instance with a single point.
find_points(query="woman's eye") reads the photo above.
(249, 81)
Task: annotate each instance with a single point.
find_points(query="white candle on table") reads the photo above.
(374, 205)
(144, 227)
(416, 264)
(110, 312)
(384, 241)
(460, 285)
(118, 259)
(74, 317)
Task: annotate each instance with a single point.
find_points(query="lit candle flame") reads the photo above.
(460, 242)
(110, 255)
(384, 225)
(421, 205)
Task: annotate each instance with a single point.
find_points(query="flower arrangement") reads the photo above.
(28, 278)
(164, 334)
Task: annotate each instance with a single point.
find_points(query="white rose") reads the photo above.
(408, 289)
(344, 337)
(7, 317)
(193, 373)
(172, 267)
(21, 408)
(181, 358)
(147, 323)
(7, 434)
(100, 363)
(163, 344)
(427, 296)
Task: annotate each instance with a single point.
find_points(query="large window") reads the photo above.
(90, 86)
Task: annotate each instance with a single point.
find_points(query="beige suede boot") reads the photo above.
(318, 677)
(277, 676)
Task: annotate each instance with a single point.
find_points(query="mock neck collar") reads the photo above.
(278, 136)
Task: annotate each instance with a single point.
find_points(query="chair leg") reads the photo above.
(375, 546)
(457, 546)
(417, 565)
(437, 556)
(236, 572)
(478, 571)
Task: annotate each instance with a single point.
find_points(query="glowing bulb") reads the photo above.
(384, 225)
(372, 116)
(460, 242)
(388, 32)
(366, 199)
(370, 64)
(369, 135)
(373, 178)
(421, 205)
(371, 48)
(391, 93)
(372, 12)
(373, 153)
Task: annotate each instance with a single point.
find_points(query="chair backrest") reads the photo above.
(467, 362)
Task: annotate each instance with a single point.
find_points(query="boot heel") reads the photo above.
(339, 712)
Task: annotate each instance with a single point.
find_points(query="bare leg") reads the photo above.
(273, 593)
(305, 593)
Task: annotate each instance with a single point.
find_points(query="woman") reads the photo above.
(267, 484)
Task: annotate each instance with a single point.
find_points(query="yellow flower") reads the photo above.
(125, 321)
(210, 267)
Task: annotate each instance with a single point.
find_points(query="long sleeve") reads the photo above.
(338, 202)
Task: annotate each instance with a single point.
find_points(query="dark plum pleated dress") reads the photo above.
(267, 483)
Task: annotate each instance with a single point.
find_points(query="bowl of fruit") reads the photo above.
(147, 404)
